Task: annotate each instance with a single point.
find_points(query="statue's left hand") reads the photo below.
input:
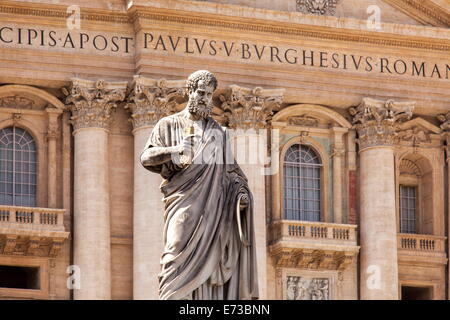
(244, 202)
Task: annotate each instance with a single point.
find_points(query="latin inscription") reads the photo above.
(237, 51)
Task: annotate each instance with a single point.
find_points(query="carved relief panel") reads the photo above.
(302, 288)
(296, 284)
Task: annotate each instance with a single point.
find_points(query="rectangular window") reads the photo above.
(19, 277)
(408, 209)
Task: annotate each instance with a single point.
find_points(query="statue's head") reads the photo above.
(201, 85)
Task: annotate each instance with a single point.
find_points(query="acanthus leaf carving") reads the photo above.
(377, 121)
(149, 100)
(246, 108)
(92, 103)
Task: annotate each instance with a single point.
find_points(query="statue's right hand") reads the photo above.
(187, 145)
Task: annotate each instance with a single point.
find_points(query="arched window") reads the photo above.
(17, 167)
(302, 167)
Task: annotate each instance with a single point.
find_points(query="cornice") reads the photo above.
(241, 24)
(423, 10)
(60, 12)
(302, 31)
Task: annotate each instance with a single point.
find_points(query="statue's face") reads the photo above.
(200, 99)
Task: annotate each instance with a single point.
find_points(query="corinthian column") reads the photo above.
(248, 112)
(149, 100)
(92, 104)
(376, 123)
(445, 126)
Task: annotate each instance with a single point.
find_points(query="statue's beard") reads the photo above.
(202, 111)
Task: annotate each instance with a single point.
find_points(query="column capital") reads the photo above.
(92, 102)
(445, 126)
(149, 100)
(376, 121)
(246, 108)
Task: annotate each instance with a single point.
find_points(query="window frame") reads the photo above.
(37, 167)
(304, 183)
(278, 179)
(416, 186)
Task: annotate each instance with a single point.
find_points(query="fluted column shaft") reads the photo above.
(376, 125)
(92, 105)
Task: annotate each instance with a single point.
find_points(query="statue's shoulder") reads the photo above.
(168, 120)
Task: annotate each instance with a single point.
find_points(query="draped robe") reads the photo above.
(209, 243)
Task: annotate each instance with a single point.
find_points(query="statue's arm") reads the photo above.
(154, 156)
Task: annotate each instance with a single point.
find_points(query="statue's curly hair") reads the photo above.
(205, 75)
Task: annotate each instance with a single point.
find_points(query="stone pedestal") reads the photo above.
(92, 104)
(376, 123)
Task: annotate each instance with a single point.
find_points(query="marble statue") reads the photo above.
(209, 246)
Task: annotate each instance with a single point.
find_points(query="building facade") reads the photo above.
(342, 106)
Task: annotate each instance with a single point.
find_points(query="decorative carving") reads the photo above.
(250, 108)
(10, 244)
(16, 117)
(318, 7)
(445, 119)
(377, 121)
(415, 135)
(16, 102)
(303, 135)
(337, 152)
(312, 259)
(149, 100)
(302, 288)
(53, 131)
(55, 247)
(33, 246)
(304, 120)
(92, 103)
(408, 167)
(445, 126)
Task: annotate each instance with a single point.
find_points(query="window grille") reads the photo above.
(302, 175)
(408, 209)
(18, 163)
